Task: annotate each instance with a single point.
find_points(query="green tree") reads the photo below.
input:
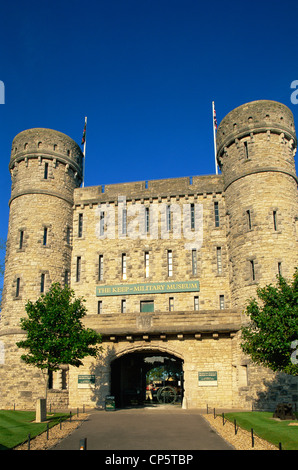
(270, 338)
(55, 333)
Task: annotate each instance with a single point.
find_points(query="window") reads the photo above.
(99, 307)
(248, 215)
(146, 264)
(242, 376)
(45, 236)
(275, 220)
(219, 262)
(196, 302)
(279, 269)
(78, 273)
(124, 266)
(18, 282)
(68, 233)
(194, 262)
(246, 149)
(171, 304)
(221, 302)
(50, 379)
(66, 278)
(192, 216)
(64, 379)
(123, 306)
(124, 221)
(168, 218)
(21, 239)
(216, 214)
(42, 282)
(80, 226)
(252, 270)
(100, 267)
(147, 306)
(102, 223)
(46, 171)
(147, 220)
(170, 263)
(57, 380)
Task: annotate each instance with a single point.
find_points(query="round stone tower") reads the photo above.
(256, 144)
(45, 167)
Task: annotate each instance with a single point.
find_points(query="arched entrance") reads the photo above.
(147, 378)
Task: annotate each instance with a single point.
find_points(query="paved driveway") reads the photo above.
(145, 429)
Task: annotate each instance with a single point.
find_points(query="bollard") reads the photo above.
(279, 445)
(29, 441)
(47, 431)
(223, 419)
(83, 444)
(235, 426)
(60, 422)
(252, 438)
(214, 413)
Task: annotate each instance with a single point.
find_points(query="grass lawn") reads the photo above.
(268, 428)
(16, 425)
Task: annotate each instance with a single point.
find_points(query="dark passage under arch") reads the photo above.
(147, 378)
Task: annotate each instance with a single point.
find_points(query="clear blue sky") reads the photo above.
(145, 73)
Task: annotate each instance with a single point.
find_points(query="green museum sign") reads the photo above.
(207, 378)
(150, 288)
(85, 381)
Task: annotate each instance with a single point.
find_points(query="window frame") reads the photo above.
(78, 268)
(124, 266)
(170, 263)
(216, 214)
(80, 225)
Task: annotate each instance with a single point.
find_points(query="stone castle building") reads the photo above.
(166, 266)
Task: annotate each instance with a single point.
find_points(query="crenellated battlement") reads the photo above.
(151, 189)
(254, 138)
(256, 117)
(43, 143)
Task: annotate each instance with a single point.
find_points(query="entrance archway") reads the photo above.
(147, 378)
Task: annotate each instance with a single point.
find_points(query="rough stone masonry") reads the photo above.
(166, 266)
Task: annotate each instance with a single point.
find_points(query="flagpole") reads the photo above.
(84, 153)
(214, 137)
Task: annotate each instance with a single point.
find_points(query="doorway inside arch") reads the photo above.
(147, 379)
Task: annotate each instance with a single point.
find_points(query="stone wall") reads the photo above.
(198, 355)
(229, 232)
(181, 239)
(256, 147)
(45, 168)
(21, 385)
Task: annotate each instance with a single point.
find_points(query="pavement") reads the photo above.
(145, 429)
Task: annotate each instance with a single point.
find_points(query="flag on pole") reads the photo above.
(84, 151)
(214, 136)
(214, 118)
(84, 133)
